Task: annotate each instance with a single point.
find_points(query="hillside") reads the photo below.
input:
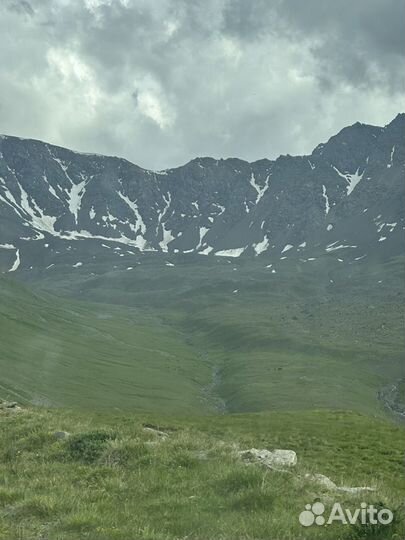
(63, 353)
(213, 337)
(114, 479)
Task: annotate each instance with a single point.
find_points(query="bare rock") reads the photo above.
(322, 480)
(157, 432)
(275, 459)
(8, 404)
(327, 483)
(355, 490)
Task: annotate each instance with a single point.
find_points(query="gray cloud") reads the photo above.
(19, 6)
(362, 42)
(161, 82)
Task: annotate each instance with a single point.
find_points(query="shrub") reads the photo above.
(88, 447)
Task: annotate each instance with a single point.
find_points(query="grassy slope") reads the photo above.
(192, 485)
(339, 356)
(291, 340)
(281, 342)
(69, 353)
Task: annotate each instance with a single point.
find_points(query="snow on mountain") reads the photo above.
(348, 194)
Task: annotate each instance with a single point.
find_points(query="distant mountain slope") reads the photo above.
(57, 352)
(212, 337)
(348, 196)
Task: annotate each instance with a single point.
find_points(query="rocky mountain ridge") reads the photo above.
(346, 197)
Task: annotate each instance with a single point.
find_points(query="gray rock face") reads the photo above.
(275, 459)
(347, 195)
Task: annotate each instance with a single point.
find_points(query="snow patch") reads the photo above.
(139, 223)
(351, 179)
(332, 247)
(222, 208)
(391, 226)
(236, 252)
(167, 238)
(262, 246)
(50, 188)
(37, 217)
(203, 232)
(259, 190)
(75, 196)
(17, 261)
(391, 157)
(287, 248)
(325, 196)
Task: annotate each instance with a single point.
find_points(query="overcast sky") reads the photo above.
(162, 81)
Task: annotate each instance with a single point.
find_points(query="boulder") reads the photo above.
(327, 483)
(322, 480)
(8, 405)
(157, 432)
(355, 490)
(274, 459)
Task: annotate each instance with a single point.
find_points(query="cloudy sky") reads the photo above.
(162, 81)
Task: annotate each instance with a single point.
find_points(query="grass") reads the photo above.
(290, 340)
(104, 355)
(70, 353)
(114, 480)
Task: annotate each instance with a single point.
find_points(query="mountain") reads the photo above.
(63, 207)
(219, 286)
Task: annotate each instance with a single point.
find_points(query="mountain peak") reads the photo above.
(399, 120)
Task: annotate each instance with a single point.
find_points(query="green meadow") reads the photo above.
(189, 338)
(220, 356)
(112, 479)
